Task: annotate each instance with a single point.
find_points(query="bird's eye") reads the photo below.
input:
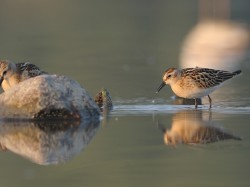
(168, 76)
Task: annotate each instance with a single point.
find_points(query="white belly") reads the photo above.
(192, 92)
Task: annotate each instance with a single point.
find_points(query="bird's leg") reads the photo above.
(195, 103)
(210, 102)
(210, 116)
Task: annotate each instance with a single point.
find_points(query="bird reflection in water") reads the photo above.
(189, 127)
(50, 142)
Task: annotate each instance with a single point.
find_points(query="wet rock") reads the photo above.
(47, 97)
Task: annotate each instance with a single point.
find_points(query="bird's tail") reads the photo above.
(237, 72)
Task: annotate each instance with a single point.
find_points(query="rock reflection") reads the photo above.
(189, 127)
(49, 142)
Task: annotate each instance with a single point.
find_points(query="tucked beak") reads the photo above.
(1, 80)
(160, 87)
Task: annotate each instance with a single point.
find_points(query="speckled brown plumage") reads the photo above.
(32, 70)
(13, 73)
(207, 78)
(193, 83)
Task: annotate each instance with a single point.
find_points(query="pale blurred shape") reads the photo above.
(216, 44)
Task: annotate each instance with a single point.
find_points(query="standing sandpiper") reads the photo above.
(193, 83)
(12, 74)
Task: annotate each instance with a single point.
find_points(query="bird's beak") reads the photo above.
(1, 80)
(160, 87)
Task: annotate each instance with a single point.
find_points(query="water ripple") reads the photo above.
(145, 106)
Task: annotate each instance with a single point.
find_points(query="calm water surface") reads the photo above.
(128, 149)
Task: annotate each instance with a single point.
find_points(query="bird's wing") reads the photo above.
(207, 78)
(31, 69)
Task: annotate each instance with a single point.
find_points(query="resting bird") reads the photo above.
(12, 74)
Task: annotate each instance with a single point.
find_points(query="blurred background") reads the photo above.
(125, 46)
(122, 45)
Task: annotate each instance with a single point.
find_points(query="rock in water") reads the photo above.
(47, 97)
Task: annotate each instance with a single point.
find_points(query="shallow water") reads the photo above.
(128, 149)
(124, 46)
